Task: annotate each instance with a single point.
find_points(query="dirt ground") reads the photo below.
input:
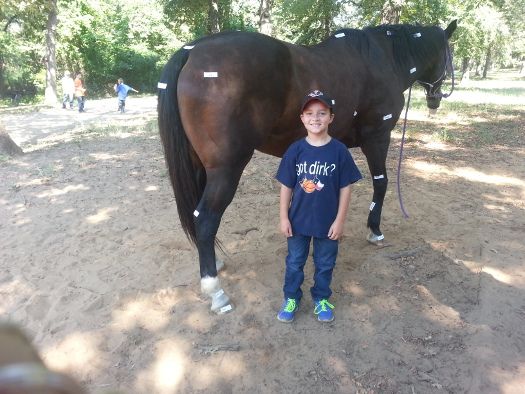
(95, 268)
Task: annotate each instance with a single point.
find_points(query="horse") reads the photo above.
(224, 96)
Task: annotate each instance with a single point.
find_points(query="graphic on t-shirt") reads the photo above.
(311, 185)
(309, 172)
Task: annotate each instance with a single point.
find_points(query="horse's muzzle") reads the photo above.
(433, 100)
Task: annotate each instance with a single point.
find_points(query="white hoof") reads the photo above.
(375, 239)
(219, 264)
(220, 302)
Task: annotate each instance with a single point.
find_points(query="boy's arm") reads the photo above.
(284, 205)
(337, 227)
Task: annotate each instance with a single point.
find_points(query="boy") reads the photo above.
(122, 92)
(80, 92)
(315, 175)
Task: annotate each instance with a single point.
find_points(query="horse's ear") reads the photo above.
(450, 28)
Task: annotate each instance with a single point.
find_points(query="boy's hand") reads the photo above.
(336, 230)
(286, 228)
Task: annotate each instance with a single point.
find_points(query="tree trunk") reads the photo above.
(213, 17)
(391, 12)
(488, 61)
(7, 145)
(465, 74)
(265, 17)
(51, 64)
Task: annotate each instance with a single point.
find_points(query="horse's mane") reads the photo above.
(408, 48)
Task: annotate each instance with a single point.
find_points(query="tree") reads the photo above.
(308, 21)
(265, 17)
(51, 74)
(7, 145)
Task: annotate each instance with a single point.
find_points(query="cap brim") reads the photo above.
(321, 99)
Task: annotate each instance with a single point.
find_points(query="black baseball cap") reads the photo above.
(320, 96)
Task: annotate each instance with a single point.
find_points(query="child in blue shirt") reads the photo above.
(316, 174)
(122, 92)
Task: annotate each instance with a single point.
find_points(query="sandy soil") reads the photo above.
(94, 266)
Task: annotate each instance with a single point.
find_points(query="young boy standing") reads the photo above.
(122, 92)
(316, 174)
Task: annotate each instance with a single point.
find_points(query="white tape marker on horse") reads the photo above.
(162, 85)
(211, 74)
(389, 116)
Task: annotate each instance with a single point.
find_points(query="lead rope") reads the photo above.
(405, 214)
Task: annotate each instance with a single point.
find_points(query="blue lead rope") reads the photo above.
(405, 214)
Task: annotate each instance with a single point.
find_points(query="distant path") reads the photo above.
(31, 128)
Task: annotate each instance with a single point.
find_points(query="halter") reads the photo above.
(448, 66)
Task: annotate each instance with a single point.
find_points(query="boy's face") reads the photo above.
(316, 117)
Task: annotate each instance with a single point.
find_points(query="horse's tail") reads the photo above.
(187, 174)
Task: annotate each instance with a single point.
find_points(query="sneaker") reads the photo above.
(287, 312)
(323, 310)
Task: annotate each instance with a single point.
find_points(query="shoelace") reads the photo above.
(290, 305)
(322, 304)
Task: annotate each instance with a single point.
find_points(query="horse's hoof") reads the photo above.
(219, 264)
(220, 303)
(377, 240)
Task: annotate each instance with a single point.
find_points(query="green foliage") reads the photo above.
(108, 39)
(189, 18)
(307, 21)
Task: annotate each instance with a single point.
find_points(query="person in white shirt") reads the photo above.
(68, 90)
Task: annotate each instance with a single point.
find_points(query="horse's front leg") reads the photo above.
(375, 152)
(221, 185)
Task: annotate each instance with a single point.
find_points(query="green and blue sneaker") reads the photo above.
(287, 312)
(323, 310)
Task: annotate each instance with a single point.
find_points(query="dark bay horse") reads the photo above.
(221, 97)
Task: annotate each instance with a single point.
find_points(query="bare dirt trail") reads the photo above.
(94, 265)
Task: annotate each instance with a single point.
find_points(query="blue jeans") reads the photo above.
(81, 102)
(325, 255)
(121, 105)
(67, 98)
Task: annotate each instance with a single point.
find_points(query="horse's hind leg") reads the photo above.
(221, 184)
(375, 152)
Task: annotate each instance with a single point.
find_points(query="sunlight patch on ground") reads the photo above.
(355, 289)
(106, 156)
(13, 291)
(467, 173)
(199, 321)
(61, 192)
(516, 278)
(144, 312)
(439, 310)
(77, 352)
(101, 216)
(514, 380)
(498, 275)
(166, 373)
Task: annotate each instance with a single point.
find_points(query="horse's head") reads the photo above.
(437, 72)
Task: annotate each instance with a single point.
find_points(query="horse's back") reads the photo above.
(233, 90)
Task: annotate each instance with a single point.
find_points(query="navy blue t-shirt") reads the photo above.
(316, 174)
